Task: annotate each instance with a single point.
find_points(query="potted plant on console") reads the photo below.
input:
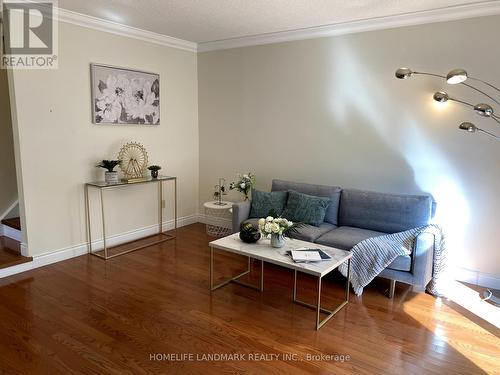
(154, 170)
(110, 176)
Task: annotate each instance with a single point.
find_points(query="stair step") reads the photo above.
(10, 253)
(14, 222)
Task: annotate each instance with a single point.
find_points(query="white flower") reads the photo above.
(262, 222)
(275, 228)
(115, 86)
(268, 227)
(139, 98)
(242, 185)
(109, 108)
(269, 218)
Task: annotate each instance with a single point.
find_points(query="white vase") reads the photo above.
(111, 177)
(277, 240)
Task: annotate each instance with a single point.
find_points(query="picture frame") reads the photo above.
(124, 96)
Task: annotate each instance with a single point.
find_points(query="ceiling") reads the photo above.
(212, 20)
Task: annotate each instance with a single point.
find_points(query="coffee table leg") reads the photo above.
(261, 275)
(211, 268)
(317, 307)
(235, 278)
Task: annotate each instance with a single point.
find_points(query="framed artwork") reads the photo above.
(124, 96)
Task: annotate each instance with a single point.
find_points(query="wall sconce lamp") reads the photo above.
(459, 76)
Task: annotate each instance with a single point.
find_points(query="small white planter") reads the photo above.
(111, 177)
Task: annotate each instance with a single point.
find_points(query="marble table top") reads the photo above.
(262, 250)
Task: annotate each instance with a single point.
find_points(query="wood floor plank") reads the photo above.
(90, 316)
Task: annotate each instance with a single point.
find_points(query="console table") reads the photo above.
(141, 242)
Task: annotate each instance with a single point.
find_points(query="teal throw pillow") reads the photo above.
(305, 208)
(265, 204)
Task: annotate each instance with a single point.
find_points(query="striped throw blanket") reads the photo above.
(373, 255)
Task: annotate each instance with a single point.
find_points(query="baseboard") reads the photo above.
(81, 249)
(477, 278)
(10, 232)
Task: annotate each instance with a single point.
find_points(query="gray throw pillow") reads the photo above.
(305, 208)
(264, 204)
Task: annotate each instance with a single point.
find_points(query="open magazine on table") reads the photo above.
(306, 255)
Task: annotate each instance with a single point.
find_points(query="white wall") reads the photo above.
(8, 185)
(59, 146)
(331, 111)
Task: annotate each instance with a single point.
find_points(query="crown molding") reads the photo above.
(486, 8)
(453, 13)
(124, 30)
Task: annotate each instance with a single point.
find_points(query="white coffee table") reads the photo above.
(263, 251)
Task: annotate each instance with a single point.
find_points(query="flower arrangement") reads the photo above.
(271, 225)
(276, 229)
(244, 183)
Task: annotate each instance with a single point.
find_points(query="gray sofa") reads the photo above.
(355, 215)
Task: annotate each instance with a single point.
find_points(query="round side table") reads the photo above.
(220, 225)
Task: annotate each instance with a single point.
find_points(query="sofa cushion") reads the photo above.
(401, 263)
(311, 233)
(263, 203)
(305, 208)
(332, 192)
(382, 212)
(346, 237)
(305, 233)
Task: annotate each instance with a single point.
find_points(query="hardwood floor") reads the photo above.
(10, 253)
(90, 316)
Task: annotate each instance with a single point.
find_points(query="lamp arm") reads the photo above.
(494, 117)
(486, 83)
(482, 92)
(462, 83)
(430, 74)
(461, 101)
(489, 134)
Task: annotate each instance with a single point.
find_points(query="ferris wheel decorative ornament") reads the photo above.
(134, 160)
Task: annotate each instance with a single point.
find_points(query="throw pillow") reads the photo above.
(264, 204)
(305, 208)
